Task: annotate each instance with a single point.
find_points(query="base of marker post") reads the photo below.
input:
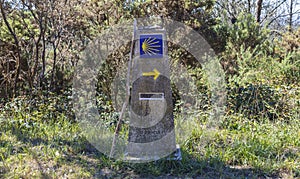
(140, 159)
(176, 155)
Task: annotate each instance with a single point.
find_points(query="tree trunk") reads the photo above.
(249, 6)
(258, 10)
(53, 66)
(291, 16)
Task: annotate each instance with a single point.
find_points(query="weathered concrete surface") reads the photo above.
(151, 133)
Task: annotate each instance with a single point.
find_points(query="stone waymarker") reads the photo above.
(151, 133)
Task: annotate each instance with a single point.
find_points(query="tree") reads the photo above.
(276, 14)
(40, 40)
(15, 48)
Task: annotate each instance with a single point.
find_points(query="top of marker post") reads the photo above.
(142, 24)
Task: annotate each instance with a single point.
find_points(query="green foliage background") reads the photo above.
(260, 129)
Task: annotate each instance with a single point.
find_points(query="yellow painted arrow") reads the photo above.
(155, 73)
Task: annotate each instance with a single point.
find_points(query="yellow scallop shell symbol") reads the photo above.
(151, 46)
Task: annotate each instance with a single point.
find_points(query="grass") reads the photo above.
(32, 144)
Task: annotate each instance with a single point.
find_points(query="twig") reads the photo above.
(125, 104)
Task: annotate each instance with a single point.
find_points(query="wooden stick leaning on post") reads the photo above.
(125, 104)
